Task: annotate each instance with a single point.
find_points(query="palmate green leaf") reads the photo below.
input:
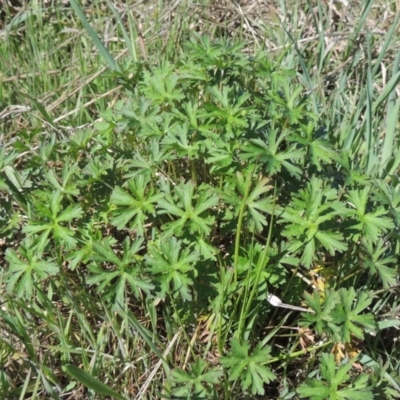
(225, 288)
(140, 110)
(215, 54)
(147, 161)
(338, 314)
(232, 196)
(276, 270)
(26, 267)
(34, 227)
(101, 277)
(314, 390)
(67, 186)
(258, 207)
(190, 113)
(132, 278)
(178, 139)
(88, 234)
(161, 85)
(157, 129)
(49, 216)
(378, 259)
(137, 205)
(267, 151)
(352, 173)
(206, 249)
(64, 235)
(309, 218)
(348, 314)
(333, 387)
(196, 381)
(97, 168)
(249, 368)
(228, 111)
(332, 241)
(308, 252)
(172, 266)
(290, 103)
(389, 195)
(317, 148)
(70, 213)
(103, 252)
(257, 203)
(220, 154)
(200, 48)
(358, 390)
(369, 224)
(323, 307)
(375, 224)
(189, 215)
(193, 74)
(113, 282)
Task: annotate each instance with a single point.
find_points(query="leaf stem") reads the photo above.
(298, 353)
(239, 230)
(260, 267)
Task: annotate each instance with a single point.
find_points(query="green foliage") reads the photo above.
(257, 204)
(271, 153)
(170, 264)
(198, 382)
(310, 221)
(193, 216)
(368, 224)
(378, 260)
(329, 385)
(126, 270)
(28, 266)
(339, 313)
(89, 381)
(137, 204)
(210, 186)
(249, 368)
(49, 214)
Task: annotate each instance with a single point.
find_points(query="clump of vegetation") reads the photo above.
(164, 251)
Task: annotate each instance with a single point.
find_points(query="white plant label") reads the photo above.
(277, 302)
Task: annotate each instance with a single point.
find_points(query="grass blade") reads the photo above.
(130, 44)
(90, 382)
(108, 58)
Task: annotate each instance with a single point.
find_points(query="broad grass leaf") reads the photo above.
(91, 382)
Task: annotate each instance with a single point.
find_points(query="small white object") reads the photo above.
(277, 302)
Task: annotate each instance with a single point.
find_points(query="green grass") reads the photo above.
(165, 166)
